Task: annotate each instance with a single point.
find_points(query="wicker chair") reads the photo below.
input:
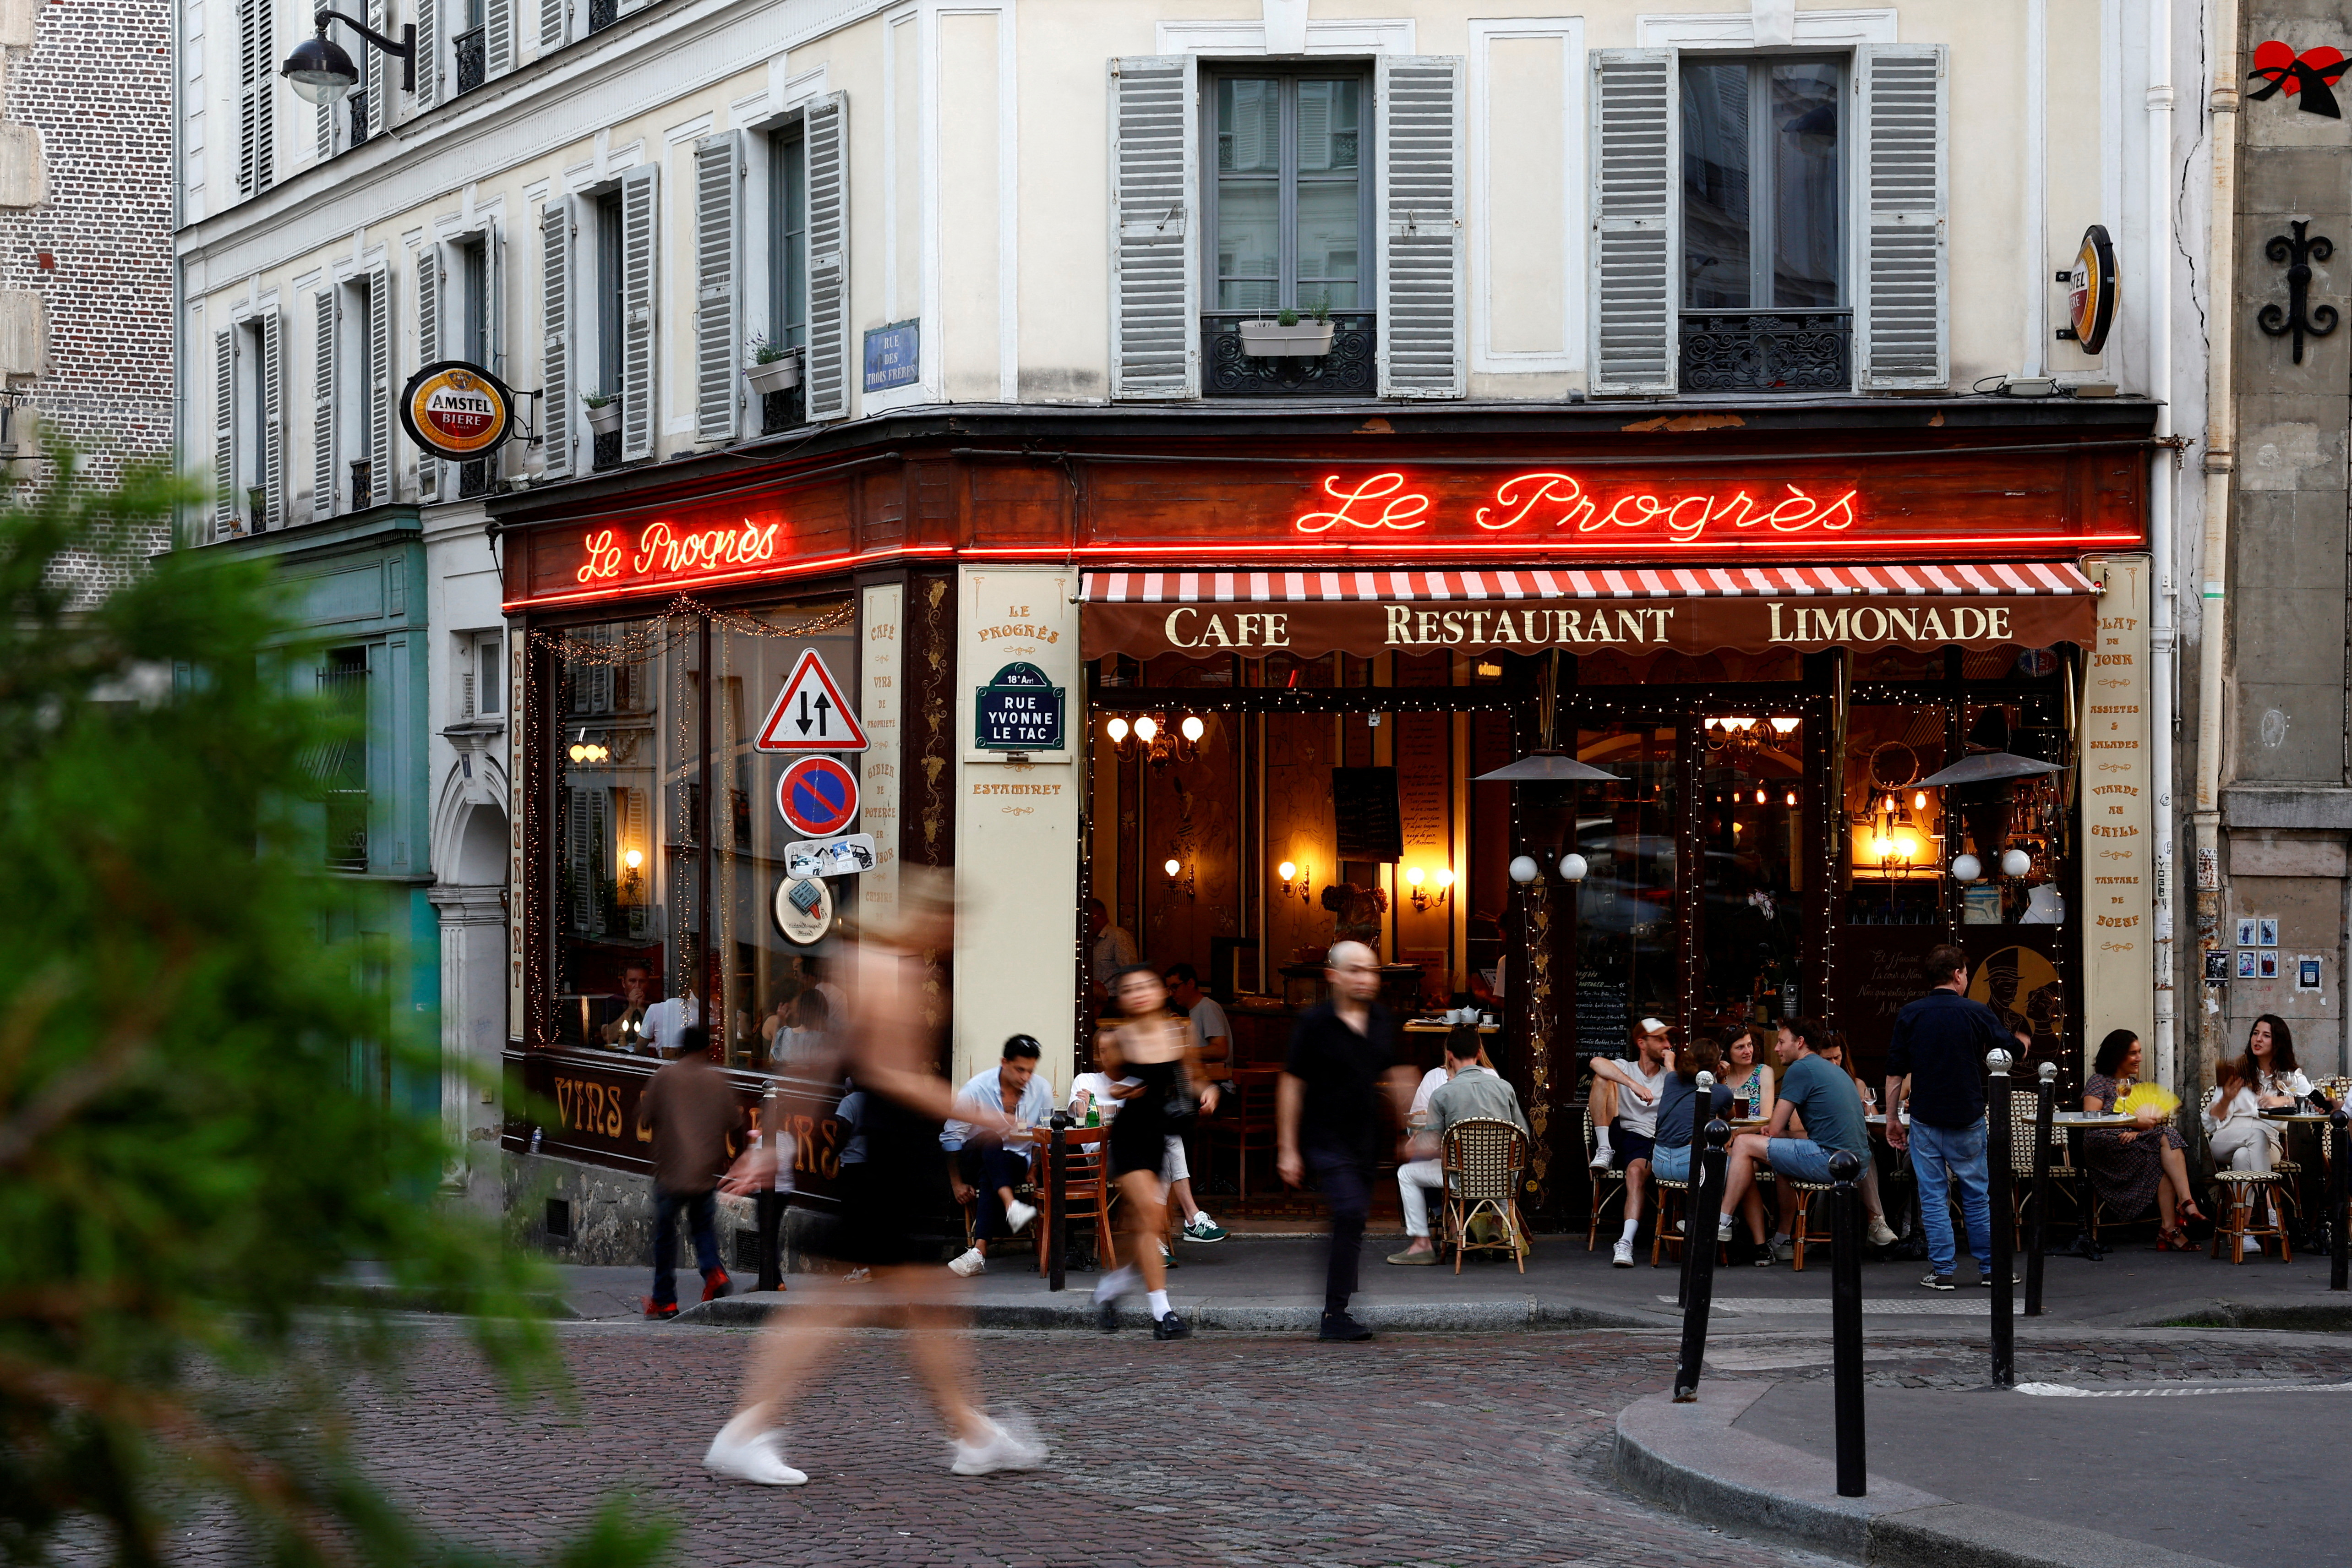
(1485, 1159)
(2064, 1174)
(1799, 1233)
(1607, 1185)
(2243, 1189)
(1673, 1204)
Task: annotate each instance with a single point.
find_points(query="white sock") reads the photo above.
(1631, 1226)
(1722, 1226)
(1600, 1139)
(1117, 1283)
(1160, 1308)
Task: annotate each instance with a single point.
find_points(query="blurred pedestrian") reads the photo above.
(889, 1041)
(691, 1111)
(1330, 1110)
(1153, 1062)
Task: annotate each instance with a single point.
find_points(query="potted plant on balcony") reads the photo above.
(603, 412)
(774, 367)
(1287, 334)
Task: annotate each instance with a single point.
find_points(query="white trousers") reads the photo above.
(1174, 1167)
(1416, 1179)
(2244, 1144)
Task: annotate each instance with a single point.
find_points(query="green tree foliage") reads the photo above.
(189, 1170)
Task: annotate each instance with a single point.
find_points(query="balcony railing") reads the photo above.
(1767, 350)
(471, 61)
(785, 410)
(340, 767)
(362, 484)
(1350, 370)
(602, 14)
(477, 478)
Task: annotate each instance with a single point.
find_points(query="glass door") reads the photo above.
(1628, 922)
(1756, 866)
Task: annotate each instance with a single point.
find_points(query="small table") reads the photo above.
(1425, 1027)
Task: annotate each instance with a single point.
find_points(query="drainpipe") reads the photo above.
(2162, 475)
(2220, 461)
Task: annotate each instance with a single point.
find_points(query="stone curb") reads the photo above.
(2328, 1313)
(1075, 1308)
(1691, 1458)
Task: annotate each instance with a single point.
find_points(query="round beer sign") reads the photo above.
(2091, 291)
(457, 410)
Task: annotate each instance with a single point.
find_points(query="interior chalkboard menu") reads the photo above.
(1603, 1025)
(1364, 809)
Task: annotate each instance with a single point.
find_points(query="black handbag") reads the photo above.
(1181, 1109)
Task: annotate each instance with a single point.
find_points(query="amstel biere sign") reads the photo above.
(457, 410)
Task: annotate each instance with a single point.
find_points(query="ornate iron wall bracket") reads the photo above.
(2300, 317)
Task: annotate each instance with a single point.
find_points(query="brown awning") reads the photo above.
(1689, 609)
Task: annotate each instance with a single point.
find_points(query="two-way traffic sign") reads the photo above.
(810, 714)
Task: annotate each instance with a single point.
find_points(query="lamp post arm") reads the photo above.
(404, 51)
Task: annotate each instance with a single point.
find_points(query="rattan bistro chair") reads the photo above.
(2064, 1174)
(1607, 1185)
(1673, 1205)
(2239, 1225)
(1484, 1161)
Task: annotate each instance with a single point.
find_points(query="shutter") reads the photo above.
(576, 833)
(551, 25)
(429, 276)
(1636, 221)
(1418, 191)
(273, 421)
(494, 300)
(325, 131)
(224, 432)
(379, 387)
(322, 407)
(377, 85)
(1901, 331)
(498, 38)
(824, 380)
(638, 422)
(717, 311)
(427, 57)
(255, 101)
(1155, 276)
(555, 362)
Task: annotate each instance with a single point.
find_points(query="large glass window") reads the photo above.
(1288, 194)
(1763, 202)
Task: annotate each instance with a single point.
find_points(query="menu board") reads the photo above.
(2118, 820)
(1364, 812)
(1603, 1021)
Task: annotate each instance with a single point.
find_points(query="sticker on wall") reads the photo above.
(810, 714)
(2245, 963)
(2266, 965)
(803, 909)
(2246, 931)
(1018, 711)
(2308, 77)
(830, 856)
(818, 797)
(2217, 967)
(2306, 971)
(2267, 931)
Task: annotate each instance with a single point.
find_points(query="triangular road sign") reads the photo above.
(810, 714)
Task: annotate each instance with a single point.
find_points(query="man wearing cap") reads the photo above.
(1625, 1111)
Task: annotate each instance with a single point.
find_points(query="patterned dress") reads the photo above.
(2125, 1175)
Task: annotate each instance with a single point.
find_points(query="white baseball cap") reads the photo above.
(1654, 1026)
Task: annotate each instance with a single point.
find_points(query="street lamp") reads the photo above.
(322, 73)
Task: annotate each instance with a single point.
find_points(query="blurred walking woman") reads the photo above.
(1154, 1065)
(2130, 1166)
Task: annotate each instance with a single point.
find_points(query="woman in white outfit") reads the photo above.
(2265, 1077)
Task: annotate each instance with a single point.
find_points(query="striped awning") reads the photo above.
(1690, 608)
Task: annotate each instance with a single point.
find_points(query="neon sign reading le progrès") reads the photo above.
(1552, 501)
(662, 551)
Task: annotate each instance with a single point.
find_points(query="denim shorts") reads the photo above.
(1801, 1159)
(1671, 1165)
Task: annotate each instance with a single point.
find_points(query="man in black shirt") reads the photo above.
(1328, 1113)
(1940, 1044)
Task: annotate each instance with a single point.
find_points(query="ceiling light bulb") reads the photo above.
(1882, 847)
(1172, 867)
(1116, 730)
(1146, 728)
(1192, 726)
(1919, 801)
(1759, 798)
(1288, 870)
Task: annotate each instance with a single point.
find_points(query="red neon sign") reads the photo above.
(1556, 500)
(1397, 512)
(663, 551)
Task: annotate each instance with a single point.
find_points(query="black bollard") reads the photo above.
(1057, 1183)
(2339, 1194)
(1845, 1321)
(1699, 1249)
(768, 1206)
(1705, 1096)
(1999, 1135)
(2045, 1107)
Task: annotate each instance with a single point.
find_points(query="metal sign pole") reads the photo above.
(2045, 1106)
(1057, 1188)
(1998, 1137)
(1846, 1322)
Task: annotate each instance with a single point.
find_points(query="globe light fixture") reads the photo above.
(1524, 870)
(1193, 728)
(2016, 863)
(321, 73)
(1572, 866)
(1966, 869)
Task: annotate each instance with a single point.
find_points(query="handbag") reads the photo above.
(1180, 1109)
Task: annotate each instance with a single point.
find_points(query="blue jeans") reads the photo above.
(701, 1218)
(1940, 1155)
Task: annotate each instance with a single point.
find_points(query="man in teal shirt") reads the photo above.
(1830, 1108)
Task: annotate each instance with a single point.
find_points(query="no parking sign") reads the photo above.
(818, 797)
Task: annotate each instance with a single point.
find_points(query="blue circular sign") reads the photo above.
(818, 797)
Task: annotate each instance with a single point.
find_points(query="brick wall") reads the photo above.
(97, 84)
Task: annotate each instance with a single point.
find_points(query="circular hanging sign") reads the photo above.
(803, 909)
(2091, 289)
(457, 410)
(818, 797)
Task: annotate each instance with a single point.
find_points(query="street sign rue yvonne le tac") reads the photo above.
(809, 715)
(1019, 710)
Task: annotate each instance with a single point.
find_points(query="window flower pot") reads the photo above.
(1270, 339)
(605, 418)
(775, 374)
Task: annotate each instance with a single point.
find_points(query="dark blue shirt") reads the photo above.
(1940, 1042)
(1676, 1102)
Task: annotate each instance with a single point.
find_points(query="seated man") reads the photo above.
(1625, 1106)
(1469, 1091)
(992, 1169)
(1825, 1097)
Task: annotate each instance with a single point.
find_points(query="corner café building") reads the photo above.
(1261, 663)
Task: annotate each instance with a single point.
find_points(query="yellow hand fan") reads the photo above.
(2148, 1097)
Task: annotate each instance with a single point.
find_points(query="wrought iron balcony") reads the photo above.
(602, 14)
(477, 478)
(1349, 370)
(471, 61)
(605, 450)
(1767, 350)
(785, 410)
(362, 484)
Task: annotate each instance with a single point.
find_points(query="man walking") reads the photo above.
(1328, 1113)
(1939, 1042)
(691, 1109)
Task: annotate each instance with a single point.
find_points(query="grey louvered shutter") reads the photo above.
(326, 131)
(494, 324)
(224, 432)
(551, 25)
(1636, 221)
(1155, 330)
(429, 53)
(379, 387)
(579, 835)
(255, 101)
(638, 300)
(322, 405)
(1418, 188)
(379, 84)
(430, 272)
(824, 380)
(498, 38)
(555, 339)
(718, 262)
(273, 421)
(1901, 326)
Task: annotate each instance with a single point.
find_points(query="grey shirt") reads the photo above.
(1474, 1091)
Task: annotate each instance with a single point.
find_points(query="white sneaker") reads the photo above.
(1601, 1158)
(1002, 1450)
(974, 1261)
(1723, 1230)
(1880, 1234)
(1018, 1216)
(1623, 1255)
(743, 1453)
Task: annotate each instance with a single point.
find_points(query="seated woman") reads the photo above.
(2130, 1167)
(1745, 1076)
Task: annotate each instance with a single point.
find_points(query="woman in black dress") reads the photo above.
(1153, 1063)
(2131, 1167)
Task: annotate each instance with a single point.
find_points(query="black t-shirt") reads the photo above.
(1340, 1112)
